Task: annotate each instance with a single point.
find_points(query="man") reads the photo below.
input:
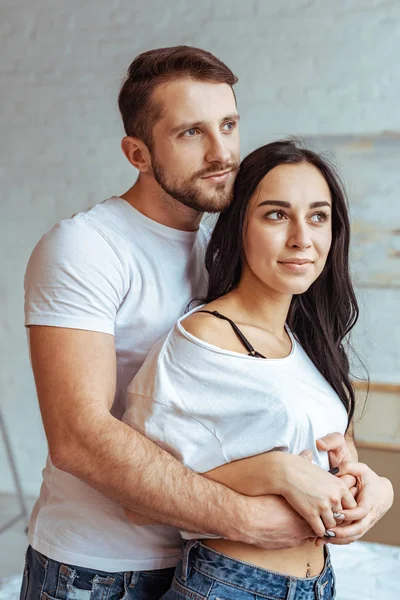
(101, 289)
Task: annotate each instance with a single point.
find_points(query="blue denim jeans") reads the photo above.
(205, 574)
(45, 579)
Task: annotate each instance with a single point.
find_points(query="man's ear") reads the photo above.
(137, 153)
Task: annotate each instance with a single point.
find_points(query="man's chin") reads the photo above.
(214, 206)
(217, 202)
(203, 203)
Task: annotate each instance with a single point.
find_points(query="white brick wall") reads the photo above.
(305, 67)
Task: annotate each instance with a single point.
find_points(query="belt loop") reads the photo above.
(185, 557)
(292, 584)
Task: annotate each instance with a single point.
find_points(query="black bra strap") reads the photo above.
(242, 338)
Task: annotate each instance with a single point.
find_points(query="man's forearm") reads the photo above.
(136, 473)
(133, 471)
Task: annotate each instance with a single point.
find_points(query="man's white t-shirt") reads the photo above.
(112, 270)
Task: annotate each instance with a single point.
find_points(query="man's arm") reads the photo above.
(75, 375)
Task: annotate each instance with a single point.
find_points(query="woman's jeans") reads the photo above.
(45, 579)
(206, 574)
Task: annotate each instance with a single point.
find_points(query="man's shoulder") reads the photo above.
(77, 276)
(99, 230)
(75, 236)
(80, 248)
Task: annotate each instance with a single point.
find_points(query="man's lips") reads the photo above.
(219, 174)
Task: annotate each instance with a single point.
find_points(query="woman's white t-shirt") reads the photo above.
(208, 406)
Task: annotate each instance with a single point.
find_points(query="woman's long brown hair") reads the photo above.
(321, 317)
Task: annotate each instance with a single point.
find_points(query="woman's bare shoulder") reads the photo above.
(206, 327)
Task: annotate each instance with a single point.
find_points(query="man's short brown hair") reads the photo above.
(138, 110)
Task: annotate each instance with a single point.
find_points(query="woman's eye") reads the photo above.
(320, 217)
(276, 215)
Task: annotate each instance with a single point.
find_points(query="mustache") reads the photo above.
(216, 168)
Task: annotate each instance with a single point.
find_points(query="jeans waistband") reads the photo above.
(247, 577)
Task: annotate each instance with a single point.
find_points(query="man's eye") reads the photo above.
(190, 132)
(229, 126)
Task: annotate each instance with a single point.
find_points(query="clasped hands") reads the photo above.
(355, 492)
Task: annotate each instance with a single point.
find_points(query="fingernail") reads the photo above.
(334, 471)
(331, 533)
(337, 515)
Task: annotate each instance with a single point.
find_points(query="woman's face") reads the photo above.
(288, 232)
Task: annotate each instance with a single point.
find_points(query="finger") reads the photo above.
(341, 541)
(320, 541)
(332, 441)
(328, 519)
(348, 500)
(349, 480)
(339, 517)
(355, 530)
(353, 468)
(353, 491)
(337, 513)
(307, 454)
(360, 512)
(318, 526)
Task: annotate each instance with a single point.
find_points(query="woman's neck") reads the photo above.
(264, 307)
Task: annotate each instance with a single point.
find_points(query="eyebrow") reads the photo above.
(284, 204)
(193, 125)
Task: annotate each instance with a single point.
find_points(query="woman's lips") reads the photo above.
(297, 266)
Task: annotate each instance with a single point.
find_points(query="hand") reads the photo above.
(336, 446)
(338, 451)
(272, 523)
(314, 493)
(374, 498)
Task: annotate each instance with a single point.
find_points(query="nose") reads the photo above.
(299, 236)
(218, 150)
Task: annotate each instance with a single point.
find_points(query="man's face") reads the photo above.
(195, 150)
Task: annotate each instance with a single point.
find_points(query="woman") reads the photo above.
(241, 386)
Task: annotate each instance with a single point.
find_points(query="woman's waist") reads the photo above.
(306, 560)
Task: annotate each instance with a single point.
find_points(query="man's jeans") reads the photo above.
(45, 579)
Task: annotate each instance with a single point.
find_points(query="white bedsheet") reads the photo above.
(363, 572)
(366, 571)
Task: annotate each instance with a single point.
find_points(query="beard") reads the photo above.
(188, 191)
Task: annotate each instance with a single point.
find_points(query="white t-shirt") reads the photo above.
(208, 406)
(113, 270)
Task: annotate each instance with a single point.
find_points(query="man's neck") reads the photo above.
(154, 203)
